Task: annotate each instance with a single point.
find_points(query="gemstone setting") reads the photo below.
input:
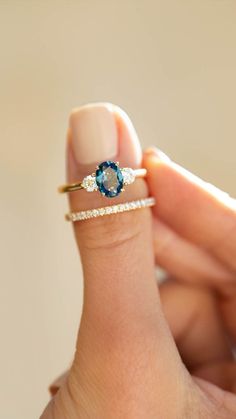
(128, 175)
(89, 183)
(109, 179)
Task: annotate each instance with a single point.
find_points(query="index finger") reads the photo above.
(195, 209)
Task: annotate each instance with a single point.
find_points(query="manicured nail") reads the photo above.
(157, 153)
(55, 386)
(94, 133)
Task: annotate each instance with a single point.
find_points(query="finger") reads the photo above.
(58, 383)
(107, 244)
(227, 304)
(122, 323)
(222, 374)
(193, 316)
(187, 261)
(196, 210)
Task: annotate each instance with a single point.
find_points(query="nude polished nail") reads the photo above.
(94, 133)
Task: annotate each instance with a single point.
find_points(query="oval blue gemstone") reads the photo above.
(109, 179)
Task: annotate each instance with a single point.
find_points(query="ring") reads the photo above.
(109, 179)
(111, 209)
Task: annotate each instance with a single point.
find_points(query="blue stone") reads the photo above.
(109, 179)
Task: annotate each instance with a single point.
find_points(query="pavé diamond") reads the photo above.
(126, 206)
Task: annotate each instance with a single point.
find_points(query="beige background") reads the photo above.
(172, 66)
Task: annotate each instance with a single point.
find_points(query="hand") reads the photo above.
(139, 355)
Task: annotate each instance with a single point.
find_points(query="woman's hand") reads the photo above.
(136, 352)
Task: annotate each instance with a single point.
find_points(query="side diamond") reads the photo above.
(128, 175)
(89, 183)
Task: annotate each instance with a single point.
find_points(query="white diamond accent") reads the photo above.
(112, 209)
(89, 183)
(128, 175)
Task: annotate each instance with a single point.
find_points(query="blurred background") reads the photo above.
(171, 65)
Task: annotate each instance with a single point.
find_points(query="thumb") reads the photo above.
(123, 338)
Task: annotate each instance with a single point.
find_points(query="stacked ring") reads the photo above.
(111, 209)
(109, 179)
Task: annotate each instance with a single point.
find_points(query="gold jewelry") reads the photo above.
(109, 179)
(112, 209)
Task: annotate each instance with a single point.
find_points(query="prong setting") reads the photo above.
(128, 175)
(109, 179)
(89, 183)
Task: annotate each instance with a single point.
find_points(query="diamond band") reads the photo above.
(112, 209)
(109, 179)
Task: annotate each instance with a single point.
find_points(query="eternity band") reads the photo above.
(109, 179)
(112, 209)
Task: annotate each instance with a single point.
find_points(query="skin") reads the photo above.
(145, 351)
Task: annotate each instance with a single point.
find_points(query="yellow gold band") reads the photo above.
(70, 187)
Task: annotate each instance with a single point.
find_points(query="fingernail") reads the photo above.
(55, 386)
(157, 153)
(94, 133)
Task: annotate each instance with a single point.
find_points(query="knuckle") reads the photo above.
(111, 231)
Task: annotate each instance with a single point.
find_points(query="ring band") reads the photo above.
(109, 179)
(111, 209)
